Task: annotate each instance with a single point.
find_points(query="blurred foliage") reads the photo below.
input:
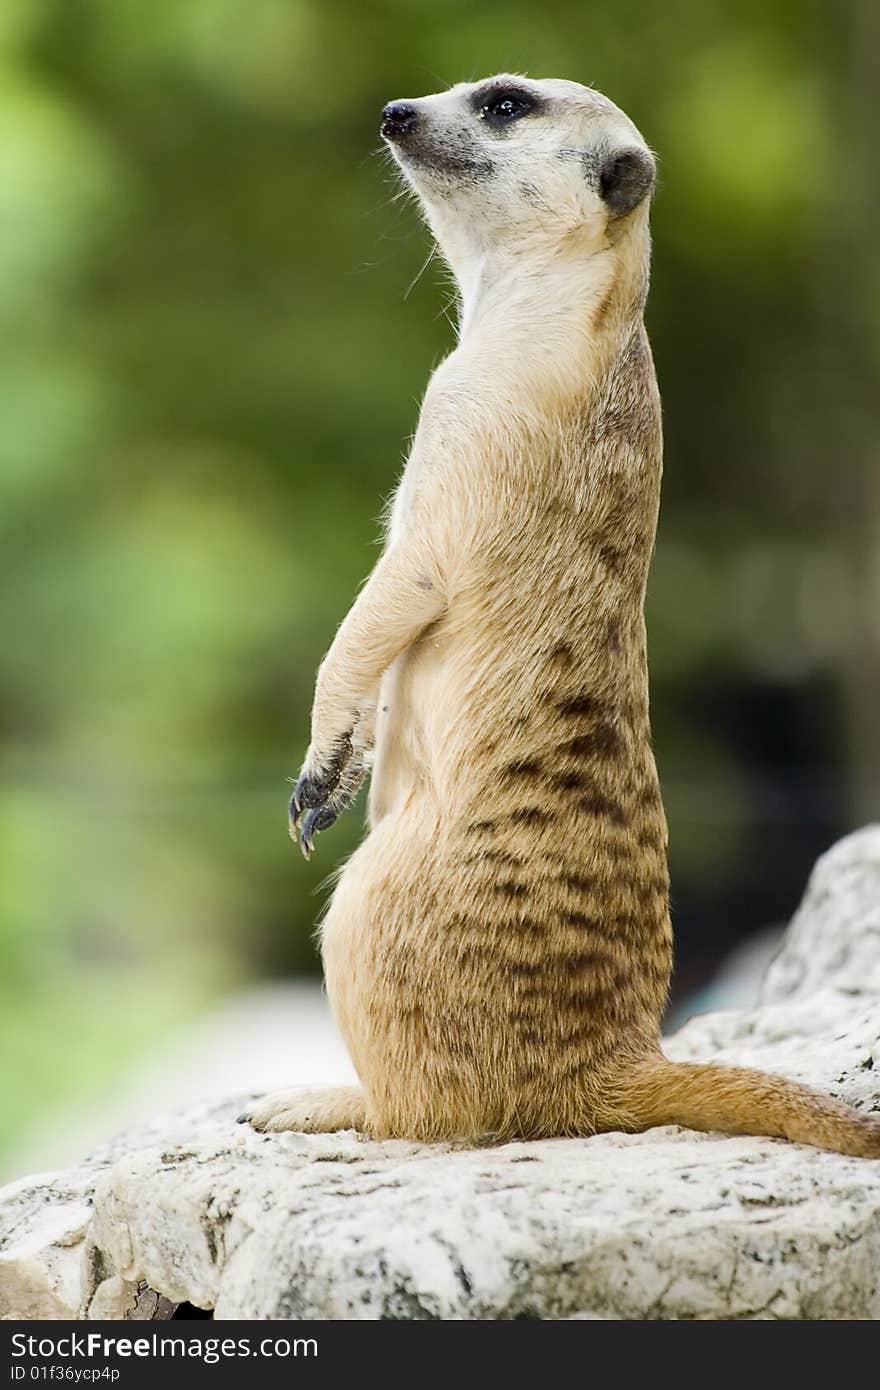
(213, 344)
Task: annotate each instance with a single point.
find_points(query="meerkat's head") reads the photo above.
(512, 165)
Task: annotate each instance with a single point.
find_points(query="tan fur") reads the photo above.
(498, 950)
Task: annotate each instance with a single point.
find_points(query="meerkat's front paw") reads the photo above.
(316, 800)
(324, 790)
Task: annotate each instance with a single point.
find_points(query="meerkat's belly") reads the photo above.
(398, 758)
(504, 929)
(476, 1014)
(413, 691)
(482, 979)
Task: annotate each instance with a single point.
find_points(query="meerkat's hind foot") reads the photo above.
(308, 1110)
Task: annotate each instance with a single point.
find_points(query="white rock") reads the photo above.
(668, 1224)
(834, 939)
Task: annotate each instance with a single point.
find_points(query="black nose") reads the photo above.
(398, 119)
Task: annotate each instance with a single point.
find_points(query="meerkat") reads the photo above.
(497, 951)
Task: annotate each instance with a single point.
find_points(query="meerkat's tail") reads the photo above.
(735, 1100)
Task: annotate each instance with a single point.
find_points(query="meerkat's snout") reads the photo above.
(398, 119)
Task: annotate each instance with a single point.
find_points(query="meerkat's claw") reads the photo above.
(320, 778)
(311, 790)
(309, 797)
(320, 795)
(315, 820)
(294, 811)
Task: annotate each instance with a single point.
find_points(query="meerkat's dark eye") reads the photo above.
(506, 108)
(499, 108)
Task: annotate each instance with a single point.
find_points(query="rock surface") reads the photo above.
(196, 1211)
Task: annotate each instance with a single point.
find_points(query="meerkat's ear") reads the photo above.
(625, 178)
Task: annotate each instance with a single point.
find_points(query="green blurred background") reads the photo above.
(209, 368)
